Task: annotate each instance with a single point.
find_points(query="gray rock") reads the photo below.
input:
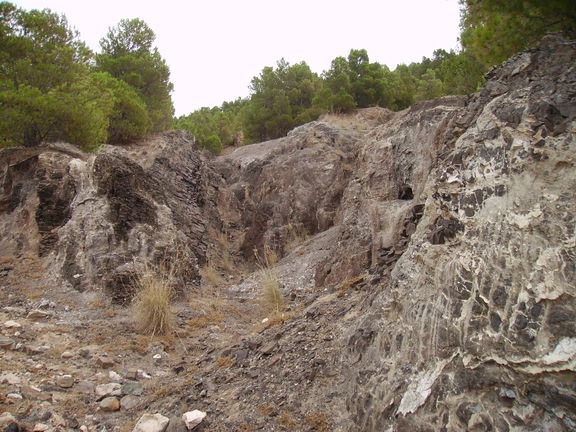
(151, 423)
(132, 388)
(85, 387)
(176, 425)
(129, 402)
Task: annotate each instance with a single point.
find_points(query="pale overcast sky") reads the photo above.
(214, 48)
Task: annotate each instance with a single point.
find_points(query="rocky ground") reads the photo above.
(426, 263)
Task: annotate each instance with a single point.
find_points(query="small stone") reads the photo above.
(111, 389)
(142, 374)
(85, 387)
(34, 393)
(176, 425)
(6, 343)
(41, 427)
(110, 404)
(38, 315)
(268, 348)
(6, 418)
(156, 356)
(151, 423)
(193, 418)
(12, 324)
(58, 420)
(11, 379)
(36, 349)
(241, 355)
(15, 396)
(115, 377)
(265, 320)
(274, 360)
(129, 402)
(84, 428)
(132, 388)
(12, 427)
(65, 381)
(67, 355)
(132, 374)
(104, 362)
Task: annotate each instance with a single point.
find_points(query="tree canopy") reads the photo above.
(50, 88)
(493, 30)
(128, 55)
(46, 89)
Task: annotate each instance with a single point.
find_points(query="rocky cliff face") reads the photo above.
(462, 212)
(473, 330)
(93, 216)
(428, 256)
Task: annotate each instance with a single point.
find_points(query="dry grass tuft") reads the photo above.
(349, 283)
(223, 362)
(151, 304)
(286, 419)
(297, 236)
(277, 318)
(212, 277)
(269, 279)
(317, 421)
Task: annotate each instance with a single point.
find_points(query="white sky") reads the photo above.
(215, 47)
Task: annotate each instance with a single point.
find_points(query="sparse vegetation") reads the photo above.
(272, 293)
(317, 421)
(151, 304)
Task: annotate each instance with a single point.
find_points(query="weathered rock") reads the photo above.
(92, 214)
(105, 362)
(132, 388)
(67, 355)
(129, 402)
(65, 381)
(5, 419)
(12, 324)
(85, 387)
(111, 389)
(10, 378)
(38, 314)
(176, 425)
(6, 343)
(193, 418)
(151, 423)
(110, 403)
(480, 298)
(35, 393)
(115, 377)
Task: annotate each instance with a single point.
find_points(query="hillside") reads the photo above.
(426, 262)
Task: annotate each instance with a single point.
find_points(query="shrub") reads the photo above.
(151, 304)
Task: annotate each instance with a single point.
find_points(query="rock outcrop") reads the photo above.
(94, 216)
(456, 224)
(473, 329)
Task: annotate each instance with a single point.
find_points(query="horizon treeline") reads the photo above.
(286, 96)
(53, 87)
